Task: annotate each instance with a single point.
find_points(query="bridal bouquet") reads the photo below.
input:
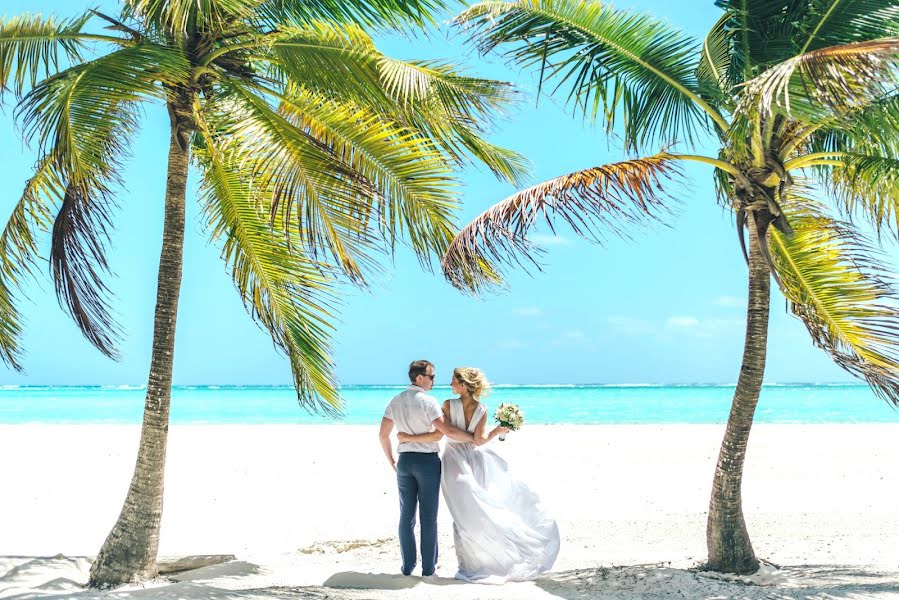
(509, 415)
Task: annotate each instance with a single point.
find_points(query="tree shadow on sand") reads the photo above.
(382, 581)
(649, 582)
(53, 574)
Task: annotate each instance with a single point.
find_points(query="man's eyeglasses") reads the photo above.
(431, 377)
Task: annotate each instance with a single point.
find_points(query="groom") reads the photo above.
(413, 411)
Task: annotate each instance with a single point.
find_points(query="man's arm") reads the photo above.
(453, 433)
(434, 436)
(384, 436)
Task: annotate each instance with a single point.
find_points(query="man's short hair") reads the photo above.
(419, 367)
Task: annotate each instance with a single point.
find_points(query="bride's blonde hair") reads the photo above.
(474, 380)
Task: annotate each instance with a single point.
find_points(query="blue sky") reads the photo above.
(665, 307)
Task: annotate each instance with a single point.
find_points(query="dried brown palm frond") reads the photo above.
(592, 202)
(78, 261)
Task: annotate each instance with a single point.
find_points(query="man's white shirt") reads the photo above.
(413, 411)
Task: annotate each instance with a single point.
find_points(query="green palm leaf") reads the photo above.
(834, 22)
(302, 178)
(868, 184)
(835, 283)
(713, 74)
(84, 119)
(342, 61)
(33, 47)
(179, 17)
(865, 130)
(19, 251)
(592, 202)
(414, 190)
(614, 63)
(370, 13)
(285, 291)
(83, 116)
(760, 34)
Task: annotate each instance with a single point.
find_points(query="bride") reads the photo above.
(501, 533)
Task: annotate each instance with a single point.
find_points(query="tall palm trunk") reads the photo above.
(129, 552)
(730, 550)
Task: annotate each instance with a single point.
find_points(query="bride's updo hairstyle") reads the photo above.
(474, 380)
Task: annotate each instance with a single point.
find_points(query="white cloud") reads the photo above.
(676, 326)
(731, 301)
(702, 328)
(549, 240)
(681, 322)
(528, 311)
(571, 337)
(632, 326)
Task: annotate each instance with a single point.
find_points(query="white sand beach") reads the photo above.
(311, 511)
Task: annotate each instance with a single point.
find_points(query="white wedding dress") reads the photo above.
(501, 532)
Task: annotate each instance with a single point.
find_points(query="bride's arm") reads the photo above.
(481, 436)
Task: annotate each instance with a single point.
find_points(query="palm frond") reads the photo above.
(371, 13)
(343, 61)
(613, 63)
(19, 251)
(865, 130)
(179, 17)
(834, 22)
(868, 185)
(78, 262)
(453, 109)
(760, 34)
(713, 74)
(841, 290)
(301, 178)
(33, 47)
(592, 202)
(83, 116)
(84, 119)
(505, 164)
(821, 83)
(413, 189)
(281, 287)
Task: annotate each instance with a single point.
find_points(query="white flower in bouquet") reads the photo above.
(509, 415)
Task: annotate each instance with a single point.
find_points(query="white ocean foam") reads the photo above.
(632, 385)
(538, 385)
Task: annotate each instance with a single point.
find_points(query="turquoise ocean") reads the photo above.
(542, 404)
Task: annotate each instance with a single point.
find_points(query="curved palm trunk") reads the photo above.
(129, 552)
(730, 550)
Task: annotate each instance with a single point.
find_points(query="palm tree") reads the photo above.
(800, 99)
(316, 155)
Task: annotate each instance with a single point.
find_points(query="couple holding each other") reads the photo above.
(499, 529)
